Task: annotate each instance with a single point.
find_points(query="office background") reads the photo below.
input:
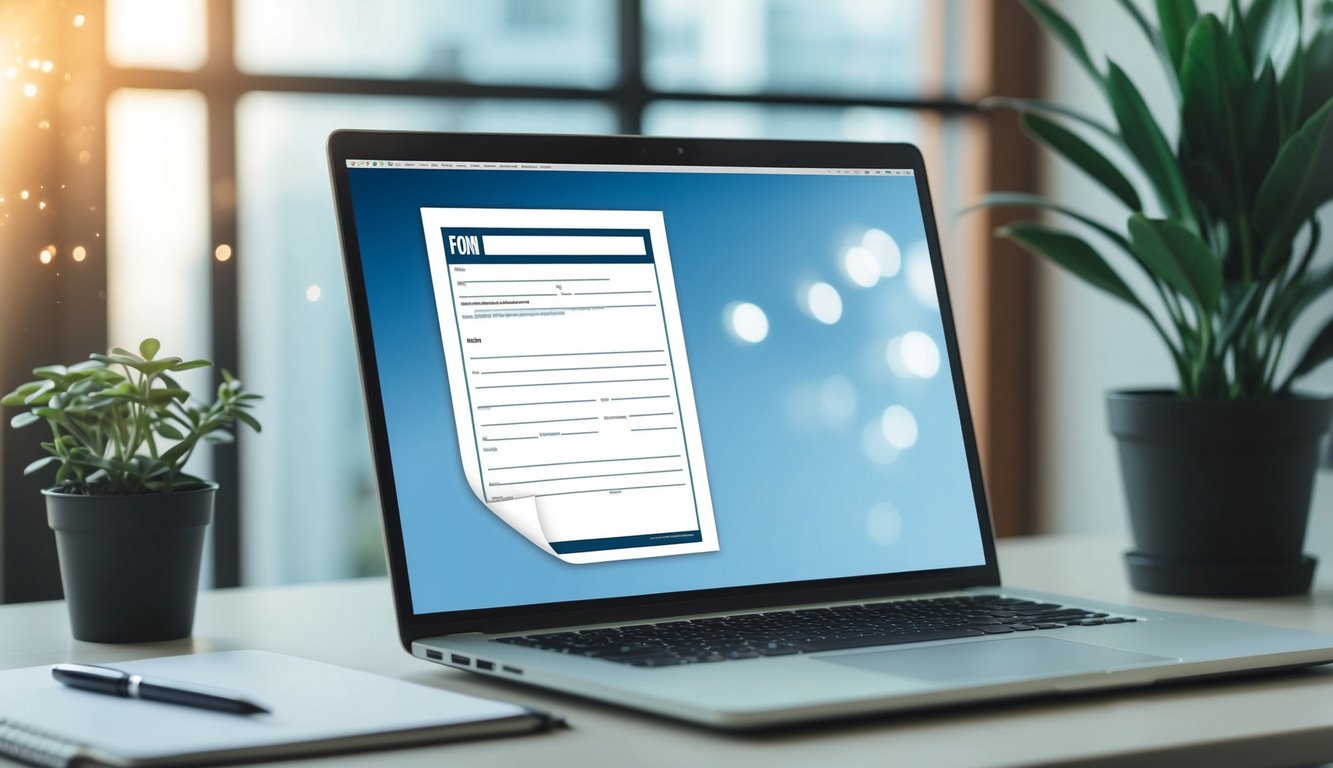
(162, 173)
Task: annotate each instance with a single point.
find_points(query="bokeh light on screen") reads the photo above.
(861, 266)
(885, 523)
(920, 354)
(876, 447)
(885, 250)
(893, 354)
(899, 427)
(746, 321)
(822, 302)
(837, 399)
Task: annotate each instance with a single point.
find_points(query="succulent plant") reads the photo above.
(121, 423)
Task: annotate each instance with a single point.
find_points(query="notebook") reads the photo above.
(316, 708)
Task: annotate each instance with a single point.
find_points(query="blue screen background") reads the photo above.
(804, 485)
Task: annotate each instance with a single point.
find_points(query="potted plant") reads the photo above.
(129, 521)
(1221, 244)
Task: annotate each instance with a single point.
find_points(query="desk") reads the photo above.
(1280, 720)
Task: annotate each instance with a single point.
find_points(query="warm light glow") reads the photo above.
(41, 206)
(29, 90)
(47, 66)
(85, 156)
(23, 195)
(46, 256)
(52, 249)
(34, 64)
(11, 73)
(80, 253)
(79, 20)
(158, 34)
(312, 293)
(222, 252)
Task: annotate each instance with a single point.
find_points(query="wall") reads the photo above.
(1089, 343)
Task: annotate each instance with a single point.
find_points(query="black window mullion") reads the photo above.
(631, 93)
(221, 100)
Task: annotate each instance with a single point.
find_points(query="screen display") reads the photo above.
(619, 381)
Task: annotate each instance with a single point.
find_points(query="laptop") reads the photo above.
(680, 425)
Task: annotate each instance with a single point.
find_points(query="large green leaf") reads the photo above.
(1175, 18)
(1064, 32)
(1155, 39)
(1260, 126)
(1316, 86)
(1300, 181)
(1319, 352)
(1235, 27)
(1072, 253)
(1145, 141)
(1274, 30)
(1037, 106)
(1212, 75)
(1179, 258)
(1207, 184)
(1237, 316)
(1083, 155)
(1025, 200)
(1288, 305)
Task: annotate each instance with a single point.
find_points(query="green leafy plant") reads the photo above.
(121, 424)
(1228, 201)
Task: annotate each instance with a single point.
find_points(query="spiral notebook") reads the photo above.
(316, 708)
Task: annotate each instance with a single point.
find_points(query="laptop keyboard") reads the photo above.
(781, 633)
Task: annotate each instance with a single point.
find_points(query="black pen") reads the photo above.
(114, 682)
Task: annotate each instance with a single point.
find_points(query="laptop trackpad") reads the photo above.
(995, 659)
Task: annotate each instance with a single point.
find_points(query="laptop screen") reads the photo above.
(613, 381)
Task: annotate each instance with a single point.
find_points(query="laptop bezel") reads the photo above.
(631, 150)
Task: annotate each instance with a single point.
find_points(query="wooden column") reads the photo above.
(1006, 58)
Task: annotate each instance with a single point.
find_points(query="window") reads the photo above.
(240, 223)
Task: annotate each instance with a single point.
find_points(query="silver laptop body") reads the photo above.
(617, 382)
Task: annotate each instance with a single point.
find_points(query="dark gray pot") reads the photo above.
(1218, 490)
(130, 564)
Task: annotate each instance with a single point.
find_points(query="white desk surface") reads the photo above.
(1276, 720)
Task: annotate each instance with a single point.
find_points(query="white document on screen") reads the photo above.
(569, 380)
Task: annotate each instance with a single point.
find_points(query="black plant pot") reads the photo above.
(1218, 491)
(130, 564)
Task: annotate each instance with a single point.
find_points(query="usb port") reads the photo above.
(489, 666)
(458, 659)
(435, 655)
(512, 670)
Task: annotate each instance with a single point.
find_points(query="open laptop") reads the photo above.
(680, 425)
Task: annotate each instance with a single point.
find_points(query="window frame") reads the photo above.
(222, 85)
